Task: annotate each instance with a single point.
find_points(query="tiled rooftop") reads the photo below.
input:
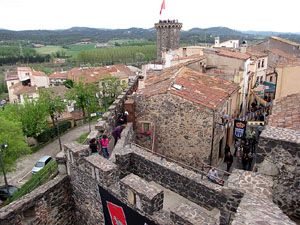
(38, 73)
(255, 53)
(94, 74)
(232, 54)
(202, 89)
(285, 41)
(286, 112)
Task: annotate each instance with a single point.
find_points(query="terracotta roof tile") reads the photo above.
(62, 75)
(202, 89)
(286, 112)
(28, 69)
(38, 73)
(26, 90)
(232, 54)
(255, 53)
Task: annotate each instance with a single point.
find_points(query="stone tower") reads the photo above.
(168, 36)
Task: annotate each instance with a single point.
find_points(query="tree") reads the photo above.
(53, 102)
(111, 87)
(81, 93)
(68, 83)
(11, 132)
(33, 117)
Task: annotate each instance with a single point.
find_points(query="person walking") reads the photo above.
(94, 146)
(228, 160)
(260, 128)
(245, 161)
(104, 144)
(116, 133)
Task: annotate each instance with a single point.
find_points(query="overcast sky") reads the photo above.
(260, 15)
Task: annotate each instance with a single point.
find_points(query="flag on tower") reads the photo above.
(162, 6)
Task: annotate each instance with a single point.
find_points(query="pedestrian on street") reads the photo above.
(236, 145)
(116, 133)
(228, 160)
(260, 128)
(93, 146)
(104, 143)
(245, 161)
(250, 159)
(214, 177)
(253, 143)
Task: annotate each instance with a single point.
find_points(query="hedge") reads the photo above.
(51, 132)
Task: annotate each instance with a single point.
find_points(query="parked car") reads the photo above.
(2, 203)
(41, 163)
(4, 194)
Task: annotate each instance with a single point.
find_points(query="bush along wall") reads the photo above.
(51, 132)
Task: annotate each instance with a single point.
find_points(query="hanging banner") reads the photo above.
(117, 213)
(239, 128)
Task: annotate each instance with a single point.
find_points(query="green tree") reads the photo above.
(11, 132)
(33, 117)
(68, 83)
(81, 93)
(53, 102)
(110, 88)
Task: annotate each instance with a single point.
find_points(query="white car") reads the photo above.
(41, 163)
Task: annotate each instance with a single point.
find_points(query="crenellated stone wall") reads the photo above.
(278, 156)
(52, 203)
(182, 181)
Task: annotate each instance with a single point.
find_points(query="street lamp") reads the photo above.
(4, 146)
(88, 106)
(58, 133)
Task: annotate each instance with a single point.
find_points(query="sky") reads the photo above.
(259, 15)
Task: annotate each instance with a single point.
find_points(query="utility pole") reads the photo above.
(4, 146)
(88, 106)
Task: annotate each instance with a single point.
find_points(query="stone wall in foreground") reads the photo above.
(278, 156)
(51, 203)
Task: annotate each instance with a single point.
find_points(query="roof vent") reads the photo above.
(177, 86)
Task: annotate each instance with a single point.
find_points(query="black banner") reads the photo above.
(239, 128)
(117, 213)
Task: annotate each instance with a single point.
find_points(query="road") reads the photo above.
(25, 164)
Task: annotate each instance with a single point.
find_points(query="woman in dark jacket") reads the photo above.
(228, 160)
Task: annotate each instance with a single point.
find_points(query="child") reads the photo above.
(99, 138)
(104, 143)
(93, 146)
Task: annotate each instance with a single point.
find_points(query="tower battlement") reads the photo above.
(168, 36)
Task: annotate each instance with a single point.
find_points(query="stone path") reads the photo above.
(25, 164)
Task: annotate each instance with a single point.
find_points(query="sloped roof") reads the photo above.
(38, 73)
(62, 75)
(196, 56)
(208, 91)
(286, 112)
(27, 69)
(232, 54)
(282, 54)
(285, 41)
(11, 76)
(255, 53)
(26, 90)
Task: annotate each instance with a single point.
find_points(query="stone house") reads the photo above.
(25, 82)
(282, 44)
(232, 66)
(177, 112)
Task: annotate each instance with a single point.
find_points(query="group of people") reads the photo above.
(100, 144)
(245, 148)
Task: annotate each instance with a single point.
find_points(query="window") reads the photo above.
(12, 83)
(271, 78)
(261, 79)
(146, 127)
(123, 81)
(258, 64)
(263, 63)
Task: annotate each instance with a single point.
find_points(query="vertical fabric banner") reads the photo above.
(239, 128)
(117, 213)
(162, 6)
